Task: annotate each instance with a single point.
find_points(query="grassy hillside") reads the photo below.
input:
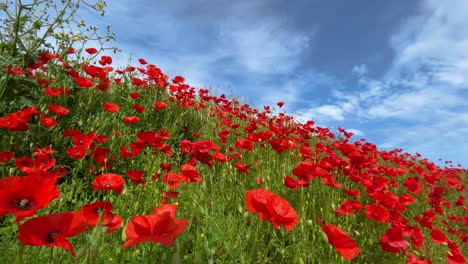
(231, 183)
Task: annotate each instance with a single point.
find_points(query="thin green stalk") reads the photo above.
(19, 254)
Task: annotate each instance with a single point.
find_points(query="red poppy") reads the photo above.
(455, 257)
(101, 211)
(159, 105)
(76, 152)
(139, 108)
(100, 156)
(348, 206)
(136, 176)
(54, 92)
(270, 207)
(377, 213)
(159, 227)
(191, 173)
(178, 79)
(242, 168)
(104, 60)
(23, 196)
(131, 119)
(282, 213)
(48, 122)
(108, 182)
(82, 140)
(293, 184)
(111, 107)
(83, 82)
(91, 51)
(244, 144)
(340, 240)
(142, 61)
(392, 241)
(280, 104)
(40, 163)
(6, 156)
(173, 179)
(58, 109)
(354, 193)
(134, 95)
(52, 230)
(438, 237)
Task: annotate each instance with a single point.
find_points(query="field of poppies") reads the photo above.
(100, 164)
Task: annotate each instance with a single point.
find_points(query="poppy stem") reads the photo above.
(19, 255)
(51, 255)
(150, 252)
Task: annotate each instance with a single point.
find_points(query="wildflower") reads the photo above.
(158, 227)
(108, 182)
(270, 207)
(23, 196)
(52, 230)
(111, 107)
(340, 240)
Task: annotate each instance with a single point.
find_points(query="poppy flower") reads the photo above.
(91, 51)
(348, 206)
(102, 211)
(280, 104)
(282, 213)
(83, 82)
(23, 196)
(6, 156)
(350, 192)
(242, 168)
(191, 173)
(136, 176)
(134, 95)
(178, 79)
(377, 213)
(108, 182)
(392, 241)
(340, 240)
(293, 184)
(76, 153)
(111, 107)
(48, 122)
(142, 61)
(438, 237)
(158, 105)
(159, 227)
(270, 207)
(139, 108)
(54, 92)
(52, 230)
(58, 109)
(104, 60)
(131, 119)
(39, 163)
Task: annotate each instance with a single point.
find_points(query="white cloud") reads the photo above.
(360, 69)
(323, 113)
(262, 48)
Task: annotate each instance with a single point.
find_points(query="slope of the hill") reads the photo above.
(189, 177)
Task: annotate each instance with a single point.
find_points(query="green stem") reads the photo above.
(150, 253)
(19, 254)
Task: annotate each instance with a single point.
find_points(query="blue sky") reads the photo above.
(394, 72)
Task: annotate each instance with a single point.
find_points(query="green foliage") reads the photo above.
(28, 29)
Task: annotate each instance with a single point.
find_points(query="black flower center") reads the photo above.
(51, 236)
(24, 204)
